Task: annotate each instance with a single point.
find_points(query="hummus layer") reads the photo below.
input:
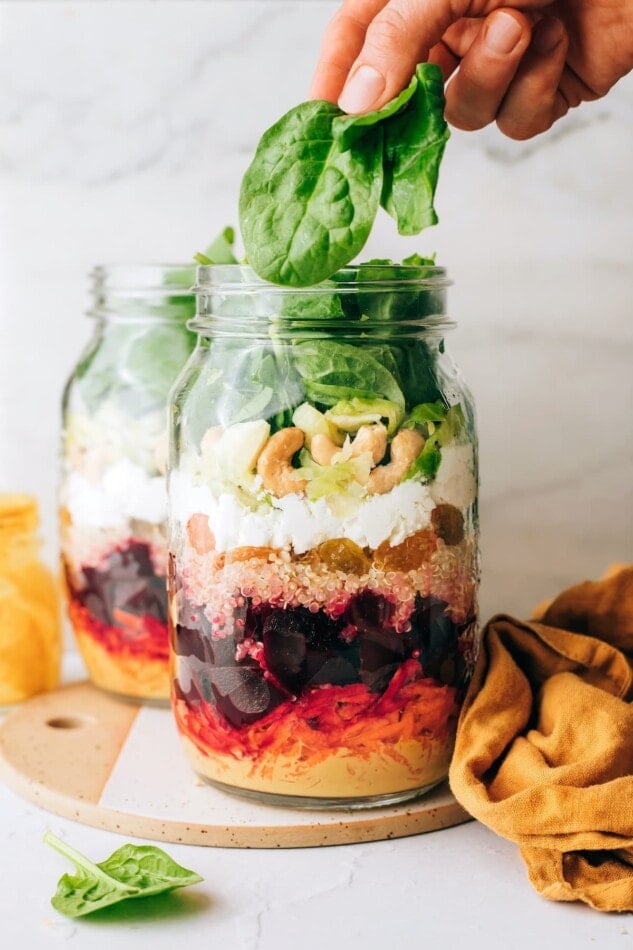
(129, 675)
(406, 765)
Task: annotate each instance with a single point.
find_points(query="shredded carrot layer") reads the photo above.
(138, 636)
(327, 719)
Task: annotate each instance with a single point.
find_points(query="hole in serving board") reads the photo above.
(69, 722)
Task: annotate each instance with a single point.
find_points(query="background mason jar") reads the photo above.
(323, 537)
(112, 493)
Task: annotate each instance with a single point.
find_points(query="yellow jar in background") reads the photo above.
(30, 630)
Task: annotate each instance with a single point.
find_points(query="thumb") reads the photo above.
(371, 47)
(398, 38)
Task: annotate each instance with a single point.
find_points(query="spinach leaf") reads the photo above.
(309, 307)
(417, 371)
(307, 203)
(416, 260)
(311, 194)
(426, 412)
(387, 301)
(131, 871)
(413, 147)
(448, 425)
(349, 127)
(151, 360)
(333, 371)
(220, 251)
(135, 362)
(242, 381)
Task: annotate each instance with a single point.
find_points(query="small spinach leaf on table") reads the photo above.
(131, 871)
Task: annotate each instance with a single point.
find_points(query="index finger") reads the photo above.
(342, 42)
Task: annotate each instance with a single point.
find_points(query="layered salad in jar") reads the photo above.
(324, 566)
(113, 503)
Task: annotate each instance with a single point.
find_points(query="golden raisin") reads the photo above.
(409, 555)
(448, 522)
(341, 554)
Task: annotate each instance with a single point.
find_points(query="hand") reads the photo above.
(521, 63)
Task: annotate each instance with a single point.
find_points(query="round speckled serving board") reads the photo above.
(87, 756)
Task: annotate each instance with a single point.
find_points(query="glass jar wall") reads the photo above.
(113, 496)
(323, 537)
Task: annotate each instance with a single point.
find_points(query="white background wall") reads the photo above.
(124, 131)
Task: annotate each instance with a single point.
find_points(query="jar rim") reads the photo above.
(240, 278)
(232, 299)
(170, 279)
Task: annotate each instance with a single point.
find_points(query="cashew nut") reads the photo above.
(369, 438)
(405, 448)
(274, 463)
(323, 449)
(372, 439)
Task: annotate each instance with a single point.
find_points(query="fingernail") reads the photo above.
(547, 35)
(362, 90)
(503, 33)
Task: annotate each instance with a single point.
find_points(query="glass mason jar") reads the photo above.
(30, 628)
(112, 496)
(323, 537)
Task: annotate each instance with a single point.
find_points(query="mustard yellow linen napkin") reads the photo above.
(544, 750)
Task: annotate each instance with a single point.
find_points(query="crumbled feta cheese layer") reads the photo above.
(295, 521)
(125, 491)
(455, 482)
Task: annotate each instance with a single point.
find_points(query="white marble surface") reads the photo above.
(458, 887)
(445, 889)
(124, 131)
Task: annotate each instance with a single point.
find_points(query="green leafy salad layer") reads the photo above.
(341, 358)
